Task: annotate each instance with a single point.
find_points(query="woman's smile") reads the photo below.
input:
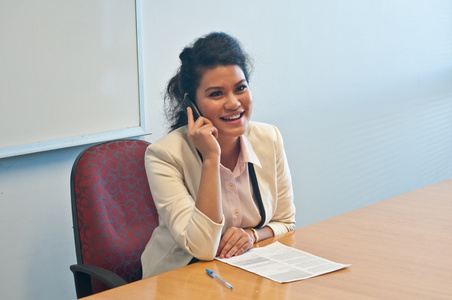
(233, 117)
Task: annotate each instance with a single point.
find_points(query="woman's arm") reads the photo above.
(204, 135)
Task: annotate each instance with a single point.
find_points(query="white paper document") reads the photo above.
(282, 263)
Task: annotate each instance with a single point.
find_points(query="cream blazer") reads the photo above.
(173, 168)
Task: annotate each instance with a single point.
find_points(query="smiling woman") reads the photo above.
(211, 199)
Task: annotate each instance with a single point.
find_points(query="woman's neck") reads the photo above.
(230, 151)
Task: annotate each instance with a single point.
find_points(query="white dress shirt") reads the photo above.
(237, 195)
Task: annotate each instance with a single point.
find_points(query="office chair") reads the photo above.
(113, 214)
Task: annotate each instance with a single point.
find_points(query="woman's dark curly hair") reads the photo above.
(212, 50)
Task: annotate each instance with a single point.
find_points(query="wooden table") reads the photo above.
(400, 248)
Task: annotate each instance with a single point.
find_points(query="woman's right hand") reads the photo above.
(204, 136)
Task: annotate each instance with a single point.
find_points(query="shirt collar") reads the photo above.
(247, 153)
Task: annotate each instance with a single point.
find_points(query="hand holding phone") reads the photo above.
(188, 103)
(203, 142)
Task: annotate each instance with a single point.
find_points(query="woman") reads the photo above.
(220, 183)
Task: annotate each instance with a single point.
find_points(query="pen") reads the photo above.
(215, 276)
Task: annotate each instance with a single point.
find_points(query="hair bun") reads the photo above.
(186, 54)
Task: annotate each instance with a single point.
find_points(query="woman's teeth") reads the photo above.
(234, 117)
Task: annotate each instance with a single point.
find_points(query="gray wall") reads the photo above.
(361, 91)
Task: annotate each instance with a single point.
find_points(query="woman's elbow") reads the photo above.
(203, 254)
(203, 249)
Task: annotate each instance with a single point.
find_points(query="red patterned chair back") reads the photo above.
(113, 210)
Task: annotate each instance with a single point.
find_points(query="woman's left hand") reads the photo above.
(235, 242)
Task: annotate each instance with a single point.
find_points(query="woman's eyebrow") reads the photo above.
(240, 82)
(213, 88)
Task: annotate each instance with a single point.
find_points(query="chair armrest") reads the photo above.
(82, 276)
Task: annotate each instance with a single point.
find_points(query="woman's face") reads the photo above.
(223, 97)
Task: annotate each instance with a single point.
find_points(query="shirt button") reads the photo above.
(236, 212)
(231, 186)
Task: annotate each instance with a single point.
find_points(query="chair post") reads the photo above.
(83, 285)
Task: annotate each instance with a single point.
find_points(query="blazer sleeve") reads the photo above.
(283, 219)
(190, 228)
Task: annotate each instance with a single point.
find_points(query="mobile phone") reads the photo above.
(188, 103)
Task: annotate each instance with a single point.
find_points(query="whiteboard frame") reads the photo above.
(102, 136)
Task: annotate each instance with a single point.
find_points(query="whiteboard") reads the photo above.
(70, 73)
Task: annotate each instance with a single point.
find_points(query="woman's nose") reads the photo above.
(232, 102)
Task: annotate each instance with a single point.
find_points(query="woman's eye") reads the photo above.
(216, 94)
(241, 88)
